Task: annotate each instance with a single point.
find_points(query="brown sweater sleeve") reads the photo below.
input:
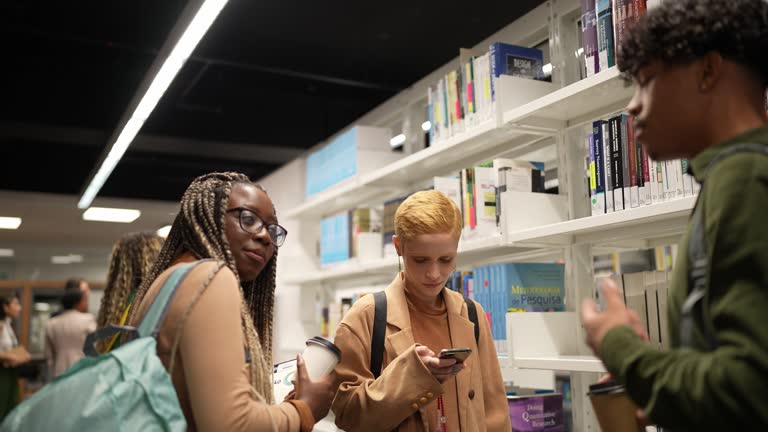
(211, 354)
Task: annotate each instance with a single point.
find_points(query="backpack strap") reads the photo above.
(472, 313)
(380, 328)
(379, 331)
(698, 260)
(151, 322)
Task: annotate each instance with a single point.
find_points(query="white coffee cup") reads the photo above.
(321, 357)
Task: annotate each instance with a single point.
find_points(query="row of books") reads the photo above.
(622, 176)
(366, 232)
(604, 24)
(466, 97)
(477, 191)
(512, 287)
(647, 293)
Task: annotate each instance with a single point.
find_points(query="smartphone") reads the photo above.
(460, 354)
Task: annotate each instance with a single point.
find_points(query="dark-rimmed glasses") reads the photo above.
(250, 222)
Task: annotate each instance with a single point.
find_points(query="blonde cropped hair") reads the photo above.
(427, 212)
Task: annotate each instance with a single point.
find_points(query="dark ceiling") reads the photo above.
(285, 74)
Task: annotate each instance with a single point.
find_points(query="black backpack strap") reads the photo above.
(698, 260)
(472, 313)
(379, 331)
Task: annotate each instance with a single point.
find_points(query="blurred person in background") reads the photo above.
(132, 259)
(65, 333)
(12, 354)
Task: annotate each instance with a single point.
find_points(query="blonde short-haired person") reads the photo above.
(416, 390)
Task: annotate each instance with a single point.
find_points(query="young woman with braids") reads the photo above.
(223, 312)
(132, 259)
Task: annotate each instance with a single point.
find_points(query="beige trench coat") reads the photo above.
(396, 400)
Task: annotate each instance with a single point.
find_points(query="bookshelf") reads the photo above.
(554, 120)
(576, 104)
(643, 224)
(638, 228)
(567, 363)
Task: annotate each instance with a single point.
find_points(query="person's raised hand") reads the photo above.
(441, 369)
(597, 324)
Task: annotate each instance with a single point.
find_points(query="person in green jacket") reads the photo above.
(700, 70)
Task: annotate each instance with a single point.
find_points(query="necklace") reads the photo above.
(442, 420)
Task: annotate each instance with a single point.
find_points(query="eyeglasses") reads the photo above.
(252, 223)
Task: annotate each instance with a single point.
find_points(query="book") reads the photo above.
(645, 189)
(519, 176)
(451, 187)
(598, 204)
(589, 37)
(605, 44)
(591, 171)
(626, 157)
(485, 199)
(635, 174)
(335, 238)
(605, 137)
(521, 62)
(617, 166)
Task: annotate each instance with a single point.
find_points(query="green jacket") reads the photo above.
(726, 389)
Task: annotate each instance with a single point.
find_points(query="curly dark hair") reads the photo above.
(680, 31)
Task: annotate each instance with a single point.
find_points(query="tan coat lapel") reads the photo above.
(462, 335)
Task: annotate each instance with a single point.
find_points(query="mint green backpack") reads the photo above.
(127, 389)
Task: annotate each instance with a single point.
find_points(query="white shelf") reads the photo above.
(470, 252)
(660, 220)
(346, 270)
(575, 104)
(481, 142)
(568, 363)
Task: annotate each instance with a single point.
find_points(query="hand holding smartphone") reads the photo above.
(459, 354)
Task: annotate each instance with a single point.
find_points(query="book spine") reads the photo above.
(599, 205)
(605, 34)
(625, 158)
(634, 174)
(646, 191)
(617, 167)
(606, 140)
(494, 73)
(589, 36)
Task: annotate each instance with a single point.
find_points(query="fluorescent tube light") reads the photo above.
(9, 222)
(103, 214)
(66, 259)
(6, 253)
(397, 141)
(181, 51)
(426, 126)
(163, 232)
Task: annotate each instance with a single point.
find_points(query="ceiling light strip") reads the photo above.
(192, 35)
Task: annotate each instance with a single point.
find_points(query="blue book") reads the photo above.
(335, 239)
(533, 287)
(333, 163)
(514, 60)
(499, 310)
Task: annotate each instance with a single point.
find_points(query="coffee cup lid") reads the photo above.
(608, 387)
(326, 344)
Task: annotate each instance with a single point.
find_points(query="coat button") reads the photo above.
(423, 400)
(471, 394)
(430, 395)
(415, 406)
